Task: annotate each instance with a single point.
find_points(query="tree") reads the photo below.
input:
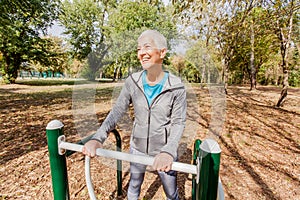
(238, 30)
(127, 21)
(58, 58)
(261, 42)
(86, 26)
(75, 67)
(208, 21)
(191, 73)
(178, 63)
(21, 25)
(206, 61)
(254, 46)
(84, 23)
(283, 13)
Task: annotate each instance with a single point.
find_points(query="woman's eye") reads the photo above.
(145, 48)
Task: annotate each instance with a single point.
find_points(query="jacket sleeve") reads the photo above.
(178, 119)
(117, 112)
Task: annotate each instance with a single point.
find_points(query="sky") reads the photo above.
(55, 30)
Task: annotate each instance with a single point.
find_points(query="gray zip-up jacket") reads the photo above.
(157, 127)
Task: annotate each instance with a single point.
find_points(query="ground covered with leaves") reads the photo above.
(260, 143)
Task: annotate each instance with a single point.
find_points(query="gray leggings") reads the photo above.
(137, 174)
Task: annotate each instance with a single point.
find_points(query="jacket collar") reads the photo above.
(171, 83)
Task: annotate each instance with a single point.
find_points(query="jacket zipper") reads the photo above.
(166, 136)
(149, 115)
(148, 132)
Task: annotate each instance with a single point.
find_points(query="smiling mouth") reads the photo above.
(145, 60)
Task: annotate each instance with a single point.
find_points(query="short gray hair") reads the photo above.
(159, 40)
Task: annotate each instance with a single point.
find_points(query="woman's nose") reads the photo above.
(142, 51)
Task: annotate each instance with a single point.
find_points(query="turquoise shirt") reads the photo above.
(152, 91)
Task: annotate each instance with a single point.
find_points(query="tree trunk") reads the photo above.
(208, 76)
(284, 46)
(284, 90)
(9, 78)
(10, 70)
(115, 74)
(120, 74)
(252, 65)
(225, 75)
(203, 80)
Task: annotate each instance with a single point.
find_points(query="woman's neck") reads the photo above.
(155, 76)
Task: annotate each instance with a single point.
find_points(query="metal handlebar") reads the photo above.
(145, 160)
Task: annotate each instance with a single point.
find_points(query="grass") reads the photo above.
(54, 81)
(50, 81)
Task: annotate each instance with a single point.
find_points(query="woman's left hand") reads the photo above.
(163, 162)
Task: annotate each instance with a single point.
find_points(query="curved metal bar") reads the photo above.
(220, 195)
(118, 148)
(88, 178)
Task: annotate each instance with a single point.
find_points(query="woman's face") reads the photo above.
(148, 54)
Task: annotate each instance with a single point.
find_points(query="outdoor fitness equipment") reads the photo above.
(206, 184)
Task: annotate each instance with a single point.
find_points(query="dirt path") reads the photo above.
(260, 143)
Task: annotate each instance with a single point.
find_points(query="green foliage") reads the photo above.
(92, 66)
(294, 74)
(226, 25)
(254, 25)
(21, 24)
(294, 78)
(87, 73)
(191, 73)
(74, 67)
(56, 54)
(204, 62)
(294, 64)
(102, 36)
(126, 23)
(131, 15)
(84, 23)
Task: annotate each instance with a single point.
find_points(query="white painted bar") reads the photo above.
(88, 179)
(146, 160)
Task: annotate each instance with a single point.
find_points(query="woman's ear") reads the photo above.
(163, 53)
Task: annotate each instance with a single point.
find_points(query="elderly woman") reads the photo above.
(159, 101)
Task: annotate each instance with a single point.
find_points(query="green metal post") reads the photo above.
(119, 162)
(209, 156)
(196, 153)
(58, 165)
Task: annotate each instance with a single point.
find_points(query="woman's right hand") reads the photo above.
(89, 149)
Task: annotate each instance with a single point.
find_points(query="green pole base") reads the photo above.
(58, 164)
